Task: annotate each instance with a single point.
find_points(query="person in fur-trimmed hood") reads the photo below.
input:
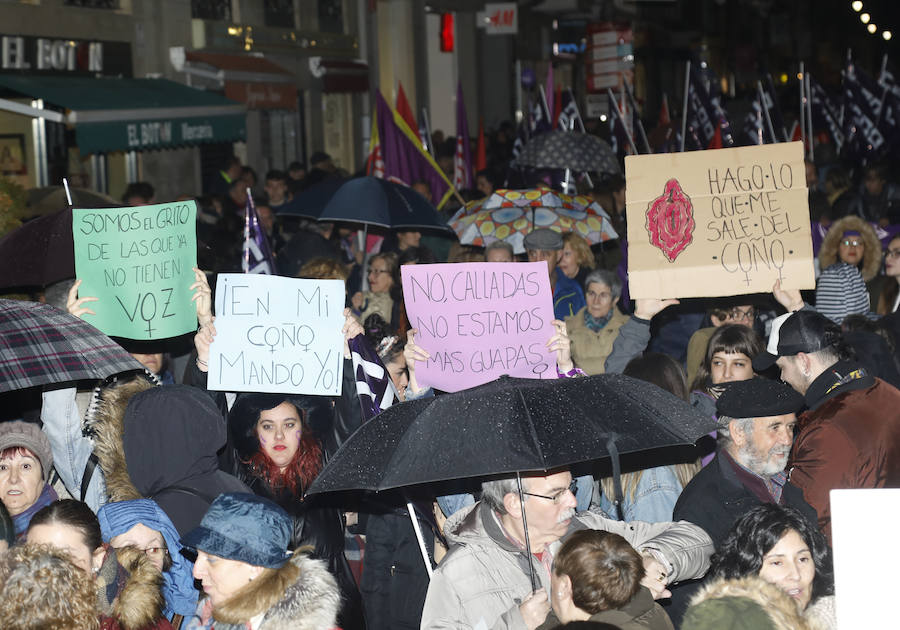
(160, 443)
(866, 256)
(251, 580)
(748, 603)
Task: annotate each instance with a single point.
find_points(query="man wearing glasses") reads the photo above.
(484, 580)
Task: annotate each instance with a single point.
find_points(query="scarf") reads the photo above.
(21, 521)
(178, 583)
(596, 324)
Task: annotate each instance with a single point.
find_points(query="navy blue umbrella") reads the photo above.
(374, 201)
(312, 201)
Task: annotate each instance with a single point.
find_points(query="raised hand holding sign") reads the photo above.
(137, 263)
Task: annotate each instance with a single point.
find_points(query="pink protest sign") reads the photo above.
(479, 321)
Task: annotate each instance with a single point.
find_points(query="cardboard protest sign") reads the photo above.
(276, 334)
(137, 262)
(479, 321)
(719, 222)
(863, 528)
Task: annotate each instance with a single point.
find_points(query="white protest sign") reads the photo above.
(866, 556)
(276, 334)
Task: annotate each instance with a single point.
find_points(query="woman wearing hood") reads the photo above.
(278, 457)
(142, 525)
(850, 258)
(126, 583)
(250, 579)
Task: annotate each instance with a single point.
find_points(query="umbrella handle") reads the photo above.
(418, 530)
(534, 585)
(616, 475)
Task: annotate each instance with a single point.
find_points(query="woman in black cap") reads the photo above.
(250, 578)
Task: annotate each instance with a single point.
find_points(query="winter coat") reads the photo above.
(129, 592)
(641, 613)
(840, 291)
(315, 524)
(160, 443)
(767, 604)
(849, 437)
(394, 580)
(309, 603)
(828, 253)
(715, 498)
(568, 296)
(590, 349)
(484, 577)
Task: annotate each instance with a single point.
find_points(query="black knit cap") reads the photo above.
(758, 398)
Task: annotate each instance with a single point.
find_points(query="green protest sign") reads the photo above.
(137, 262)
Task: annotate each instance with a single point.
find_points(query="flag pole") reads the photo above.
(68, 192)
(572, 100)
(803, 107)
(765, 107)
(687, 83)
(619, 114)
(809, 118)
(429, 146)
(640, 123)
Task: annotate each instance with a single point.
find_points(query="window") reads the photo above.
(279, 13)
(93, 4)
(331, 16)
(211, 10)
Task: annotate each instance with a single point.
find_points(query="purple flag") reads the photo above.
(405, 161)
(373, 382)
(462, 162)
(257, 256)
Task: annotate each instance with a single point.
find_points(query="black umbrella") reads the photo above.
(312, 201)
(40, 344)
(565, 149)
(40, 252)
(374, 201)
(511, 425)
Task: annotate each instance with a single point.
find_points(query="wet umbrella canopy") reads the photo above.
(511, 425)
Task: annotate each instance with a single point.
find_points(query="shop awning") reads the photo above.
(112, 114)
(249, 79)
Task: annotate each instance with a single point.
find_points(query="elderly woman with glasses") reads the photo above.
(849, 258)
(594, 328)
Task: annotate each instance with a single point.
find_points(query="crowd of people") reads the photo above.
(151, 502)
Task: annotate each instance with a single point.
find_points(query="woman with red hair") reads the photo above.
(278, 455)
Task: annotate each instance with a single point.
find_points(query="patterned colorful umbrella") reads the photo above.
(508, 215)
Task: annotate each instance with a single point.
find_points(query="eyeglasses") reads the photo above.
(851, 243)
(155, 551)
(377, 271)
(557, 497)
(737, 314)
(891, 253)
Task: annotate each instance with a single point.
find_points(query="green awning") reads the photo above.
(112, 114)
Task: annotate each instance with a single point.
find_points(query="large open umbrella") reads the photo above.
(511, 426)
(40, 252)
(40, 344)
(50, 199)
(311, 202)
(375, 201)
(575, 151)
(509, 215)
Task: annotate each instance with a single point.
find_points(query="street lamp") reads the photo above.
(856, 5)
